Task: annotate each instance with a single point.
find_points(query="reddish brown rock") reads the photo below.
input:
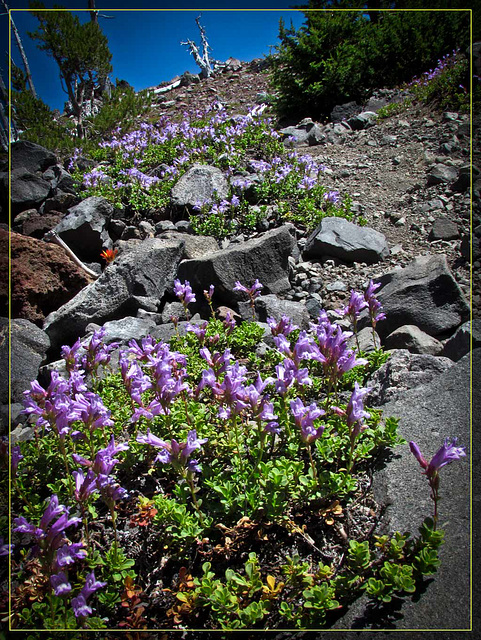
(43, 277)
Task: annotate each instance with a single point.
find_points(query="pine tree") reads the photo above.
(80, 51)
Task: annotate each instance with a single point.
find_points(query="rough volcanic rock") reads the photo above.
(403, 371)
(43, 277)
(31, 157)
(270, 306)
(264, 258)
(27, 190)
(424, 294)
(304, 134)
(347, 241)
(414, 340)
(29, 345)
(198, 184)
(127, 329)
(459, 344)
(362, 120)
(194, 246)
(146, 271)
(345, 111)
(444, 229)
(441, 173)
(84, 228)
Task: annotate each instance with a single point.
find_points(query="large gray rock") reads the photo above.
(270, 306)
(459, 344)
(362, 120)
(27, 190)
(127, 329)
(199, 183)
(264, 258)
(29, 345)
(31, 157)
(440, 174)
(194, 246)
(345, 111)
(428, 415)
(145, 272)
(84, 228)
(425, 294)
(347, 241)
(403, 371)
(305, 134)
(414, 340)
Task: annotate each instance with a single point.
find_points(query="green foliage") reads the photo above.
(337, 57)
(80, 51)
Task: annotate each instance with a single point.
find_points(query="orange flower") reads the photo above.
(109, 255)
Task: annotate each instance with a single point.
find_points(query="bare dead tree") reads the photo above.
(22, 50)
(206, 63)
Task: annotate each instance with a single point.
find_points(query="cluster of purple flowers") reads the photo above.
(448, 60)
(176, 453)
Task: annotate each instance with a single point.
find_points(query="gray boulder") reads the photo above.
(414, 340)
(459, 345)
(84, 228)
(264, 258)
(146, 271)
(27, 190)
(305, 134)
(345, 111)
(31, 157)
(59, 178)
(347, 241)
(365, 338)
(464, 178)
(425, 294)
(440, 174)
(29, 345)
(362, 120)
(403, 371)
(428, 415)
(270, 306)
(444, 229)
(127, 329)
(194, 246)
(199, 183)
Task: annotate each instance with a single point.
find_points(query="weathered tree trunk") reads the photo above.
(204, 61)
(93, 12)
(6, 130)
(22, 51)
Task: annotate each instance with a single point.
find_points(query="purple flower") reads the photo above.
(445, 455)
(373, 303)
(60, 584)
(252, 291)
(174, 452)
(304, 418)
(355, 410)
(284, 326)
(184, 292)
(49, 534)
(5, 548)
(90, 409)
(79, 604)
(69, 553)
(356, 304)
(332, 196)
(85, 485)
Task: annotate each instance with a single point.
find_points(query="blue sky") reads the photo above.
(145, 45)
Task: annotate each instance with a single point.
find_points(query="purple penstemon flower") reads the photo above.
(175, 453)
(285, 326)
(447, 453)
(304, 418)
(332, 197)
(79, 604)
(60, 584)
